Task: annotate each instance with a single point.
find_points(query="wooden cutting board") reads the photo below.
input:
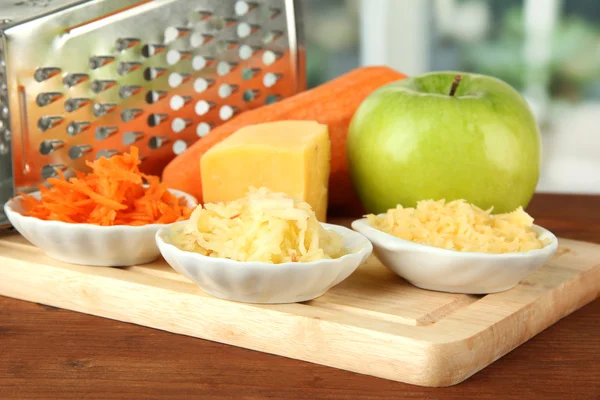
(373, 323)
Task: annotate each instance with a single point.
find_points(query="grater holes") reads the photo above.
(156, 119)
(101, 109)
(198, 39)
(249, 73)
(179, 124)
(76, 152)
(225, 67)
(150, 50)
(106, 153)
(202, 107)
(42, 74)
(4, 144)
(225, 90)
(244, 29)
(48, 122)
(179, 146)
(203, 128)
(244, 7)
(49, 146)
(176, 79)
(200, 62)
(123, 44)
(130, 138)
(250, 95)
(246, 51)
(75, 128)
(152, 73)
(130, 114)
(177, 102)
(225, 45)
(272, 98)
(129, 90)
(201, 84)
(274, 12)
(43, 99)
(51, 170)
(96, 62)
(71, 80)
(174, 56)
(226, 112)
(156, 142)
(98, 86)
(269, 57)
(173, 33)
(270, 79)
(104, 132)
(75, 104)
(271, 36)
(126, 67)
(219, 23)
(155, 95)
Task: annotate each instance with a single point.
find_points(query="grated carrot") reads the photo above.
(115, 192)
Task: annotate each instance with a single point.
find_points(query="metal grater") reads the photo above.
(85, 79)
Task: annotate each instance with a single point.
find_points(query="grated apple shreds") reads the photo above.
(263, 226)
(460, 226)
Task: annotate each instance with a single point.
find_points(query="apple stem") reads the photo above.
(455, 83)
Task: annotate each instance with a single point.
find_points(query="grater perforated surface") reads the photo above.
(88, 79)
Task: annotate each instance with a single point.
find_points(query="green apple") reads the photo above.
(444, 135)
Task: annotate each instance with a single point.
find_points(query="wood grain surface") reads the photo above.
(47, 353)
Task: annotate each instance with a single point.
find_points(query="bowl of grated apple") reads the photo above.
(263, 248)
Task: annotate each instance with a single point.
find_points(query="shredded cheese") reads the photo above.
(460, 226)
(263, 226)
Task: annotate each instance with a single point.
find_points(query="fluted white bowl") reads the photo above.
(445, 270)
(258, 282)
(88, 244)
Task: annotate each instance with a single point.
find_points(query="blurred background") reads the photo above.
(548, 49)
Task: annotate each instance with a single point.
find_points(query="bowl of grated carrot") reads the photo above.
(106, 217)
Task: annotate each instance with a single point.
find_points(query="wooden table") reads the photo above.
(48, 353)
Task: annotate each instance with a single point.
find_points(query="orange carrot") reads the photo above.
(332, 103)
(113, 193)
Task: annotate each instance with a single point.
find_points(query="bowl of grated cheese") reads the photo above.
(263, 248)
(457, 247)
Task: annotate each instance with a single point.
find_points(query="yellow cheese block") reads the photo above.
(292, 157)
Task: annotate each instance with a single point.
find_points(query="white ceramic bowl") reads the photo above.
(444, 270)
(257, 282)
(88, 244)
